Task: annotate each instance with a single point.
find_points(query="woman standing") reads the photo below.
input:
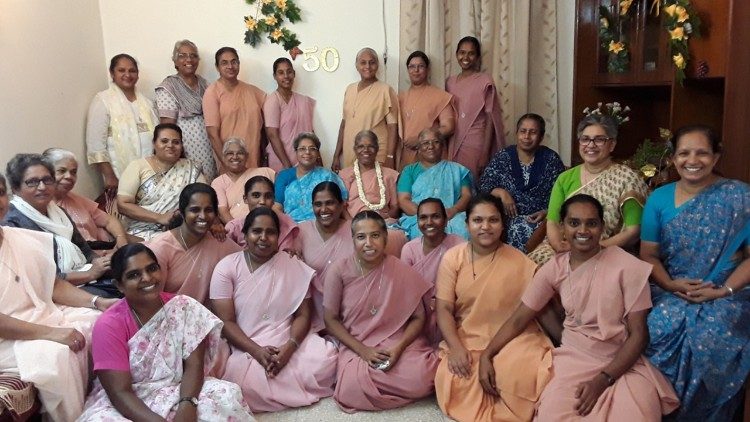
(695, 233)
(287, 114)
(233, 108)
(179, 99)
(478, 285)
(522, 176)
(368, 105)
(263, 297)
(422, 106)
(479, 126)
(599, 372)
(119, 124)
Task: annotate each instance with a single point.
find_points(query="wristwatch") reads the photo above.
(191, 400)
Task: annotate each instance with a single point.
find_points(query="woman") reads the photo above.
(230, 186)
(522, 176)
(373, 187)
(188, 253)
(479, 126)
(263, 298)
(599, 371)
(44, 326)
(323, 239)
(384, 359)
(695, 234)
(32, 181)
(293, 186)
(179, 99)
(259, 192)
(478, 284)
(100, 230)
(424, 253)
(619, 189)
(149, 187)
(233, 108)
(152, 351)
(433, 177)
(368, 104)
(287, 114)
(422, 106)
(119, 123)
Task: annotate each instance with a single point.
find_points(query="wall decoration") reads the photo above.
(268, 20)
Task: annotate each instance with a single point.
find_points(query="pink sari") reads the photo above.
(265, 302)
(288, 233)
(290, 119)
(427, 265)
(475, 96)
(597, 297)
(394, 290)
(319, 254)
(87, 217)
(188, 272)
(231, 193)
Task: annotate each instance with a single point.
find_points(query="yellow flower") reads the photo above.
(625, 6)
(604, 23)
(649, 170)
(271, 20)
(682, 14)
(276, 34)
(677, 33)
(251, 23)
(679, 61)
(670, 10)
(281, 4)
(616, 47)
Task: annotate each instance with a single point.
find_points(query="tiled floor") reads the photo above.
(326, 410)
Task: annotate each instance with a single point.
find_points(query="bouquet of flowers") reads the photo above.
(617, 111)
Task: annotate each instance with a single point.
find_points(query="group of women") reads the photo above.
(509, 286)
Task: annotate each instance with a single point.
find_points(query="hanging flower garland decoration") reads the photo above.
(681, 22)
(268, 19)
(612, 39)
(360, 187)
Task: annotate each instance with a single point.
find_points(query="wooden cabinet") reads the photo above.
(716, 91)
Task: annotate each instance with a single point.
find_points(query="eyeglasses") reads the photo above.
(429, 143)
(137, 275)
(186, 55)
(33, 183)
(416, 67)
(307, 149)
(597, 140)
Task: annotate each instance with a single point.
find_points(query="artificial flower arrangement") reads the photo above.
(612, 38)
(681, 22)
(615, 110)
(268, 19)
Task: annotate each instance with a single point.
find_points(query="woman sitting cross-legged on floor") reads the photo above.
(599, 371)
(263, 297)
(152, 351)
(373, 304)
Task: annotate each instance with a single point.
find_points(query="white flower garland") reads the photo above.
(381, 186)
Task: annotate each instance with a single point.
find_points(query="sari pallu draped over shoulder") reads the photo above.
(298, 194)
(371, 108)
(704, 349)
(420, 108)
(160, 194)
(190, 101)
(394, 291)
(157, 352)
(441, 181)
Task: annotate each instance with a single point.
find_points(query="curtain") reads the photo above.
(519, 50)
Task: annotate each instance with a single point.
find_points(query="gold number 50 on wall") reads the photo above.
(328, 59)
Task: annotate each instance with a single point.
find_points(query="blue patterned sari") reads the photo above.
(298, 193)
(703, 349)
(441, 181)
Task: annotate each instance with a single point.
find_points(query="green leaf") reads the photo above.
(250, 2)
(293, 13)
(252, 38)
(268, 9)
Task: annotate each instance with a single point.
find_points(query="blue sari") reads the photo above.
(298, 192)
(703, 349)
(530, 186)
(441, 181)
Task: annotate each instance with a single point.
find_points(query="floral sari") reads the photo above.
(157, 352)
(704, 349)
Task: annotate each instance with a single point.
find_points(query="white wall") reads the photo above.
(52, 54)
(148, 29)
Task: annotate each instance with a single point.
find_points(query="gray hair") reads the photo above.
(54, 155)
(233, 141)
(369, 135)
(181, 43)
(433, 130)
(17, 166)
(608, 123)
(306, 135)
(367, 50)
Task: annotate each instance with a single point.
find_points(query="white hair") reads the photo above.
(234, 141)
(179, 44)
(53, 155)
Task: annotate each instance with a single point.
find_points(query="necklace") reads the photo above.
(381, 187)
(585, 298)
(184, 243)
(373, 308)
(137, 318)
(473, 272)
(266, 316)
